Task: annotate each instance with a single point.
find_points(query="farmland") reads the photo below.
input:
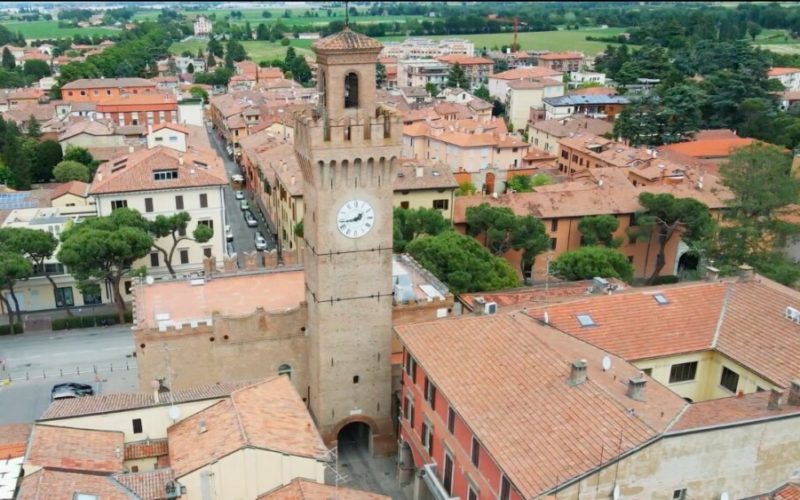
(254, 16)
(778, 41)
(257, 51)
(32, 30)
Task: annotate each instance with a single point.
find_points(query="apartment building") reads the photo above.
(163, 181)
(578, 78)
(561, 61)
(477, 69)
(92, 89)
(525, 98)
(424, 48)
(421, 72)
(605, 107)
(498, 82)
(202, 27)
(142, 109)
(625, 434)
(546, 134)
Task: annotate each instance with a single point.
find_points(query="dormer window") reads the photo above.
(165, 175)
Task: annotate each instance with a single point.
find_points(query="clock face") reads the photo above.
(355, 218)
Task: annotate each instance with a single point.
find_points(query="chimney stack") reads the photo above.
(712, 273)
(130, 149)
(636, 387)
(420, 171)
(577, 372)
(774, 399)
(794, 393)
(745, 273)
(180, 160)
(155, 396)
(149, 129)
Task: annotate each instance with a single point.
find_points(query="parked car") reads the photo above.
(244, 205)
(250, 218)
(239, 195)
(261, 242)
(70, 390)
(228, 233)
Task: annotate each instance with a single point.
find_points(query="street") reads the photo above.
(32, 363)
(243, 236)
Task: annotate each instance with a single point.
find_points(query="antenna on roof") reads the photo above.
(346, 15)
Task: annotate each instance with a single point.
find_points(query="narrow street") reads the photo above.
(243, 236)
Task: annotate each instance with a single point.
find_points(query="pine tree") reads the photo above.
(8, 61)
(456, 77)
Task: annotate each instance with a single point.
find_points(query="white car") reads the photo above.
(228, 233)
(239, 195)
(261, 242)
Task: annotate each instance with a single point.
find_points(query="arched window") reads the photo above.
(285, 370)
(351, 90)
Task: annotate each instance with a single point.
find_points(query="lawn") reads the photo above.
(254, 16)
(49, 29)
(257, 50)
(778, 41)
(540, 40)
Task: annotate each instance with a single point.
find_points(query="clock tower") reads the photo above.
(348, 149)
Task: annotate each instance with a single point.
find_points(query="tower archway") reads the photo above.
(354, 438)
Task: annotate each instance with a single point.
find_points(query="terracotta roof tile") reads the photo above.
(593, 91)
(507, 381)
(107, 403)
(76, 449)
(464, 60)
(573, 125)
(146, 449)
(89, 127)
(15, 433)
(303, 489)
(709, 148)
(719, 412)
(347, 40)
(782, 71)
(77, 188)
(269, 415)
(137, 99)
(555, 56)
(434, 175)
(149, 485)
(48, 484)
(526, 72)
(532, 296)
(102, 83)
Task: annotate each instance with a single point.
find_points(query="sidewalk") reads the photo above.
(40, 320)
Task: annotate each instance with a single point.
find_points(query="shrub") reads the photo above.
(88, 321)
(6, 329)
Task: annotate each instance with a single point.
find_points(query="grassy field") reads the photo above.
(254, 16)
(542, 40)
(49, 29)
(778, 41)
(258, 51)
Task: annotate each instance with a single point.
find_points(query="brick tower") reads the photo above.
(348, 149)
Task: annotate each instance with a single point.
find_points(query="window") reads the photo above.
(553, 243)
(355, 379)
(630, 259)
(208, 223)
(505, 489)
(184, 253)
(451, 420)
(679, 494)
(648, 372)
(586, 320)
(207, 251)
(411, 367)
(154, 259)
(554, 225)
(148, 204)
(64, 297)
(441, 204)
(203, 200)
(430, 393)
(472, 492)
(661, 299)
(108, 92)
(447, 476)
(83, 92)
(179, 202)
(285, 369)
(115, 204)
(128, 287)
(427, 437)
(409, 411)
(165, 175)
(729, 379)
(159, 139)
(682, 372)
(404, 204)
(475, 454)
(137, 425)
(134, 468)
(182, 231)
(91, 295)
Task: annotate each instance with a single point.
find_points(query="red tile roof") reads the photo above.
(508, 368)
(15, 433)
(347, 40)
(720, 412)
(149, 485)
(303, 489)
(76, 449)
(464, 60)
(555, 56)
(778, 71)
(146, 449)
(77, 188)
(526, 72)
(709, 148)
(102, 83)
(49, 484)
(269, 416)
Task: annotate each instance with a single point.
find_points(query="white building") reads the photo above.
(425, 48)
(498, 83)
(182, 63)
(163, 181)
(578, 78)
(202, 27)
(420, 72)
(789, 77)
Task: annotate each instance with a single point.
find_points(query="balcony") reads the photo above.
(435, 487)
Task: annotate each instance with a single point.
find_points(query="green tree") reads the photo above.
(235, 51)
(79, 154)
(432, 89)
(520, 183)
(199, 92)
(34, 128)
(592, 261)
(668, 215)
(211, 61)
(71, 171)
(599, 230)
(266, 14)
(215, 47)
(34, 245)
(190, 68)
(301, 72)
(48, 154)
(466, 188)
(14, 157)
(36, 69)
(380, 74)
(462, 263)
(456, 77)
(105, 248)
(483, 93)
(13, 268)
(541, 180)
(172, 227)
(8, 61)
(409, 224)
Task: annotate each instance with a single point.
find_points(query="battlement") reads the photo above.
(316, 132)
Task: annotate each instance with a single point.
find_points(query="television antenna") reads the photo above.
(338, 477)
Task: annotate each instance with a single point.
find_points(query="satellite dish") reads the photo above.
(149, 280)
(615, 491)
(174, 413)
(606, 363)
(724, 496)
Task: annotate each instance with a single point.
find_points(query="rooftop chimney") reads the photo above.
(130, 149)
(745, 272)
(712, 273)
(774, 399)
(794, 393)
(180, 160)
(636, 388)
(201, 427)
(149, 129)
(155, 396)
(420, 171)
(577, 372)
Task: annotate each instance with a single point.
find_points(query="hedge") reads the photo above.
(6, 329)
(88, 321)
(665, 280)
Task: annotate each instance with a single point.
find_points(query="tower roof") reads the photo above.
(346, 40)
